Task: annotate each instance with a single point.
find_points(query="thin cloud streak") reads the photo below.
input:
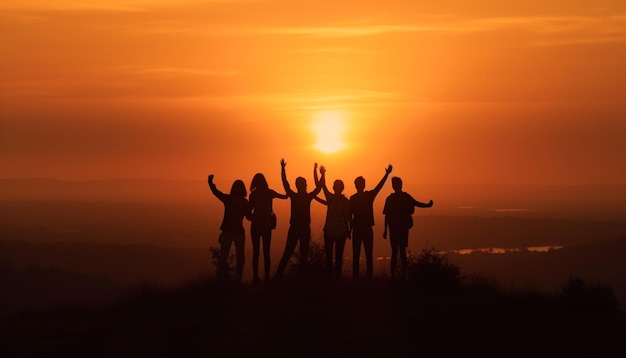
(309, 98)
(354, 31)
(606, 29)
(52, 6)
(540, 25)
(338, 31)
(338, 50)
(185, 71)
(109, 5)
(579, 41)
(298, 102)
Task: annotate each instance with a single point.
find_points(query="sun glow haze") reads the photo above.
(156, 88)
(329, 127)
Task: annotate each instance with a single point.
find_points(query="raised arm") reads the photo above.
(383, 180)
(386, 212)
(283, 176)
(321, 183)
(316, 180)
(214, 189)
(324, 187)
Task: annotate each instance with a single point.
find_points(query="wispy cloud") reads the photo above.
(184, 71)
(542, 23)
(314, 31)
(105, 5)
(579, 41)
(121, 82)
(335, 50)
(20, 18)
(353, 30)
(303, 101)
(561, 30)
(552, 30)
(45, 6)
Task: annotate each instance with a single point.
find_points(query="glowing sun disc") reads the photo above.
(329, 128)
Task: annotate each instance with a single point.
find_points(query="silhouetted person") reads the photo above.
(399, 209)
(337, 224)
(263, 221)
(236, 207)
(300, 220)
(362, 211)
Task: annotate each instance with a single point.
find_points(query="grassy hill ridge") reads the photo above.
(313, 316)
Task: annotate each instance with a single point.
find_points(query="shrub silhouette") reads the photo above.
(230, 264)
(580, 297)
(430, 269)
(478, 283)
(316, 264)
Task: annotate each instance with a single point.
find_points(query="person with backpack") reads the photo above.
(398, 211)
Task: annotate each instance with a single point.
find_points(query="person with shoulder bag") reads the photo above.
(263, 221)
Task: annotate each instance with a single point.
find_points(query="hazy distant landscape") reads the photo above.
(582, 201)
(97, 245)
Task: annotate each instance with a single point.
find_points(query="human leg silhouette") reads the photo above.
(368, 247)
(399, 238)
(340, 243)
(356, 252)
(402, 262)
(239, 241)
(256, 238)
(267, 240)
(394, 260)
(305, 240)
(226, 241)
(328, 248)
(290, 246)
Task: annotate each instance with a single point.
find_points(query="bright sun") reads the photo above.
(329, 128)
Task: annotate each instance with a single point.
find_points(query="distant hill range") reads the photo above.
(117, 190)
(588, 201)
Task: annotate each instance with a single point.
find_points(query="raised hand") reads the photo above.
(322, 170)
(283, 163)
(388, 169)
(211, 176)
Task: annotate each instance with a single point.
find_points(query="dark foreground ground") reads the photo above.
(298, 317)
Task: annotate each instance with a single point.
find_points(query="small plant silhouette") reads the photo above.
(316, 264)
(580, 297)
(430, 269)
(230, 264)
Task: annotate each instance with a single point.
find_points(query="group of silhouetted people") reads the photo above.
(346, 219)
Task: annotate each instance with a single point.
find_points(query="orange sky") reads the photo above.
(479, 92)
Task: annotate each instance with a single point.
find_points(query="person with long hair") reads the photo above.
(236, 207)
(263, 222)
